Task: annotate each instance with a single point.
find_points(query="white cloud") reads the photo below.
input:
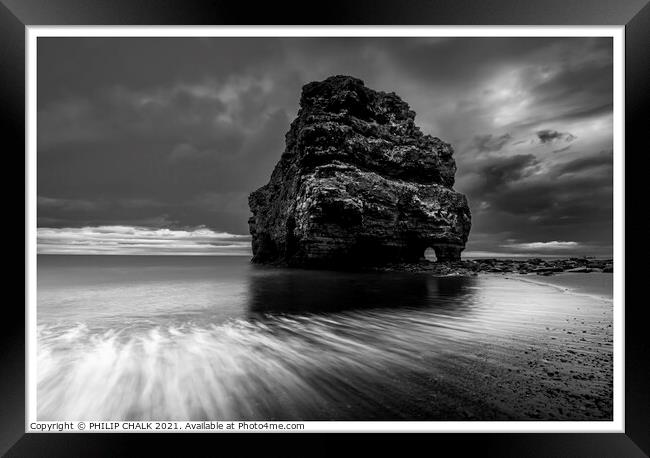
(553, 245)
(135, 240)
(493, 254)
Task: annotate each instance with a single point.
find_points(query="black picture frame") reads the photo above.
(15, 15)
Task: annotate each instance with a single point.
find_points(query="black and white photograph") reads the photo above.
(325, 229)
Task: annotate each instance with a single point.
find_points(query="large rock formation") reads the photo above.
(358, 183)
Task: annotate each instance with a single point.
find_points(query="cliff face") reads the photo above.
(358, 183)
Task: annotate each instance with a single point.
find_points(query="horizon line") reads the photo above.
(216, 255)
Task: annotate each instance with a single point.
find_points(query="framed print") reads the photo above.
(397, 220)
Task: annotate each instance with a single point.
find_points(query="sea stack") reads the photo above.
(358, 184)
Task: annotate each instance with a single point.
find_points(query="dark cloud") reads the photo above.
(498, 173)
(524, 199)
(548, 136)
(489, 142)
(603, 160)
(176, 132)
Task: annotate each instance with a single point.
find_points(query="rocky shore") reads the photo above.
(538, 266)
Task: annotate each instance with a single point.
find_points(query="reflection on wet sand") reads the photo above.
(307, 291)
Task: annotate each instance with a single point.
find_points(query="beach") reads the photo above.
(216, 338)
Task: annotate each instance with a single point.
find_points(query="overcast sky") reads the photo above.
(153, 144)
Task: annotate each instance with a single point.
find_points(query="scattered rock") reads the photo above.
(497, 266)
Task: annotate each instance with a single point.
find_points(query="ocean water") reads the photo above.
(194, 338)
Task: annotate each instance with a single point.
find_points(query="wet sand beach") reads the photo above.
(172, 338)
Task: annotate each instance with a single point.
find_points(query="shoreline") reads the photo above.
(573, 289)
(587, 277)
